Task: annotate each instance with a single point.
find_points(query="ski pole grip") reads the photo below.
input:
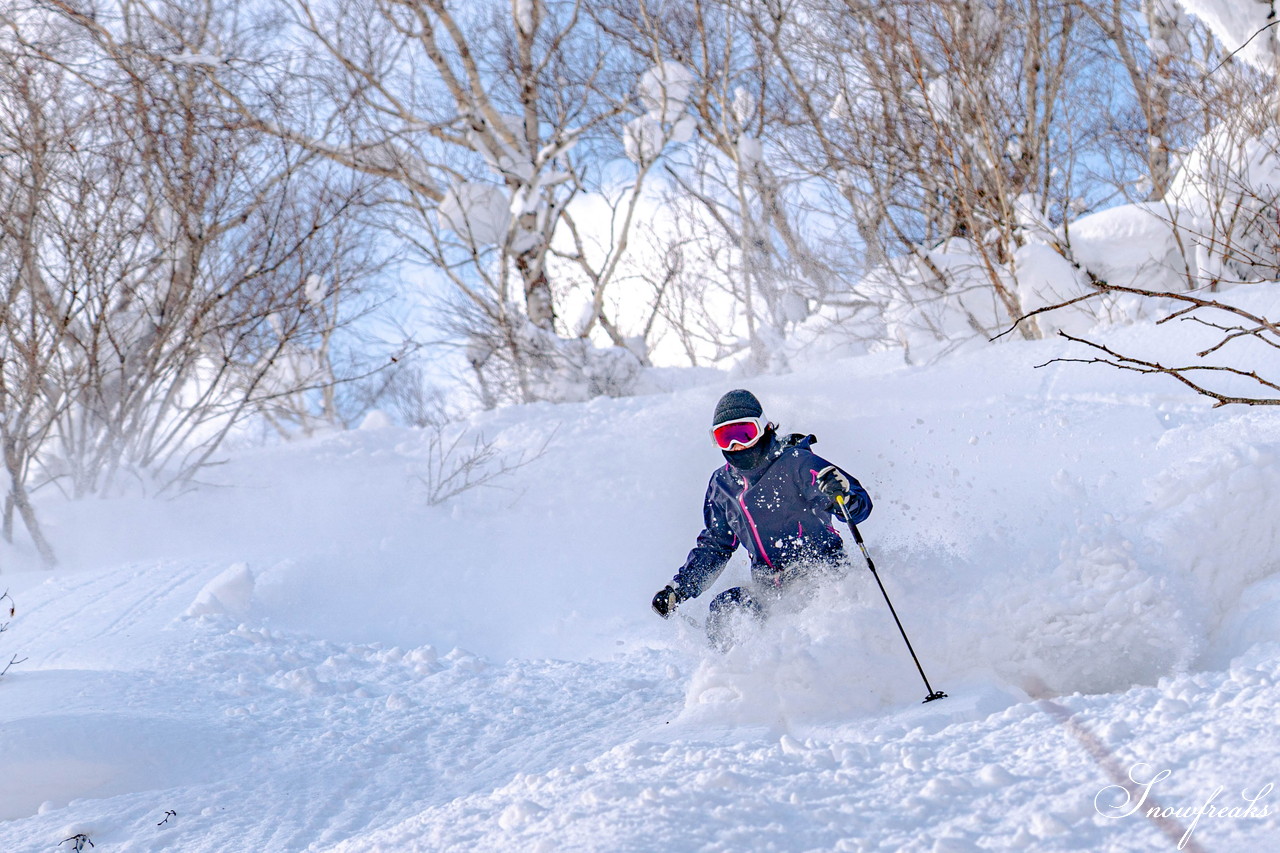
(847, 520)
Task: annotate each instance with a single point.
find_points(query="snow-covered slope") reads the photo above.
(305, 655)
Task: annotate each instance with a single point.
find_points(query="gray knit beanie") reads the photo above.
(736, 405)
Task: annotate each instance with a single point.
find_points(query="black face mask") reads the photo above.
(750, 458)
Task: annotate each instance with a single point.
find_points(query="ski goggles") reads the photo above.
(739, 434)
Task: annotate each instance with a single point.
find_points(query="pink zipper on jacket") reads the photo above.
(751, 522)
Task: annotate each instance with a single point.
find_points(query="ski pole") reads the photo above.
(857, 537)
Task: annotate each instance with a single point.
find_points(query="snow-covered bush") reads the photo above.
(549, 367)
(1224, 200)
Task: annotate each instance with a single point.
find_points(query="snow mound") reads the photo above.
(1133, 245)
(230, 593)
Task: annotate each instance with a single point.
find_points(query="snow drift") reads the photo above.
(308, 655)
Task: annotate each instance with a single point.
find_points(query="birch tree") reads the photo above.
(40, 116)
(169, 274)
(483, 117)
(729, 184)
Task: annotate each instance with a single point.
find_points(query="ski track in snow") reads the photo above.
(268, 661)
(311, 740)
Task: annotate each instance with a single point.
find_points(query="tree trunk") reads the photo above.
(19, 498)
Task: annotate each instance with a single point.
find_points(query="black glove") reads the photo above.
(833, 483)
(664, 603)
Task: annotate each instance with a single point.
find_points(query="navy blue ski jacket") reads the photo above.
(776, 511)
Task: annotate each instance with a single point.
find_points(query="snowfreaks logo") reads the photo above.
(1121, 801)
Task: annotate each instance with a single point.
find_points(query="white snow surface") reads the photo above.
(304, 654)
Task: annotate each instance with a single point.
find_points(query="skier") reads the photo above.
(776, 497)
